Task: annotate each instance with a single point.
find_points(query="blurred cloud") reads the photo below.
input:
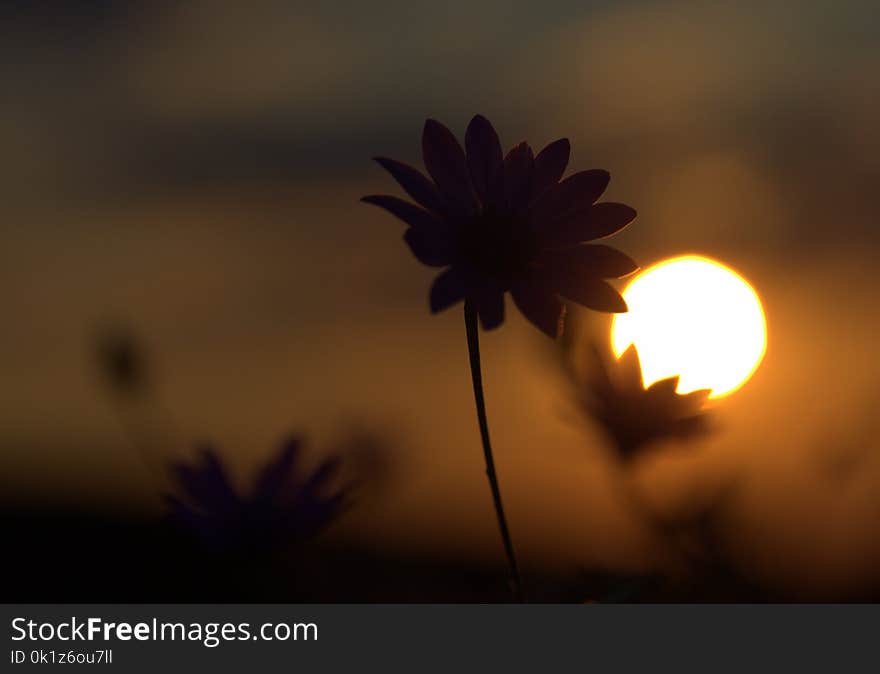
(196, 62)
(642, 68)
(680, 66)
(716, 198)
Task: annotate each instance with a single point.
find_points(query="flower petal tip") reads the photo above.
(625, 211)
(385, 162)
(620, 307)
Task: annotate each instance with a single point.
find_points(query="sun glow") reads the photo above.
(693, 317)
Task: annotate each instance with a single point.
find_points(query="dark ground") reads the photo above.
(67, 556)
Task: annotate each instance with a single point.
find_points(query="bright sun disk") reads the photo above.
(696, 318)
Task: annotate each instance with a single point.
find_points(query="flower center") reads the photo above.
(498, 245)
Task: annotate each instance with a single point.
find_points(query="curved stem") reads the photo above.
(473, 340)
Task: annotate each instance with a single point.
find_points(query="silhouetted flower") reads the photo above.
(634, 416)
(508, 224)
(283, 507)
(122, 362)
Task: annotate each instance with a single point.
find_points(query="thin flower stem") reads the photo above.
(473, 339)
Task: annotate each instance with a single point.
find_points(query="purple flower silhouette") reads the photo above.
(635, 416)
(283, 507)
(507, 223)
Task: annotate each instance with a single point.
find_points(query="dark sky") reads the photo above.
(193, 170)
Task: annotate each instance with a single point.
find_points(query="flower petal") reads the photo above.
(278, 474)
(596, 222)
(594, 260)
(550, 164)
(409, 213)
(428, 246)
(590, 292)
(484, 157)
(600, 377)
(490, 306)
(414, 183)
(518, 168)
(664, 387)
(447, 165)
(206, 483)
(316, 503)
(448, 288)
(323, 475)
(576, 193)
(541, 307)
(693, 402)
(630, 368)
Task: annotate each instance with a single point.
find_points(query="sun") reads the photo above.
(694, 317)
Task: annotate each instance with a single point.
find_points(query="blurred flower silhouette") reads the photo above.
(282, 508)
(128, 374)
(508, 224)
(634, 416)
(122, 362)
